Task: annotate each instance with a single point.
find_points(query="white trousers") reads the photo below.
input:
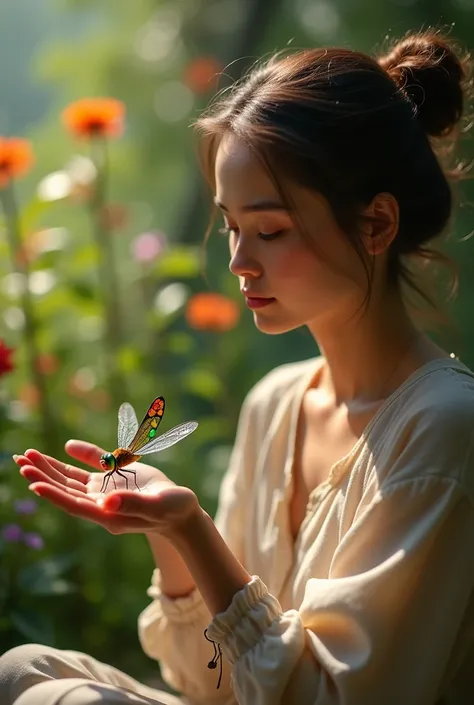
(39, 675)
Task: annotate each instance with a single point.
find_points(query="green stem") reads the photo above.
(30, 331)
(108, 279)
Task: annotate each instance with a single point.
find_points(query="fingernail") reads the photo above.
(32, 489)
(112, 503)
(15, 457)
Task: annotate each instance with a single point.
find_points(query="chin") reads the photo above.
(275, 326)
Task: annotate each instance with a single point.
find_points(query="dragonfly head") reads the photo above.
(108, 461)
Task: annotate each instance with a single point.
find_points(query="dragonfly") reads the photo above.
(135, 440)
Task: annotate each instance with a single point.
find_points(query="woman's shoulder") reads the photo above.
(282, 381)
(428, 426)
(276, 391)
(440, 393)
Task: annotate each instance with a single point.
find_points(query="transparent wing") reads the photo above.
(174, 435)
(127, 426)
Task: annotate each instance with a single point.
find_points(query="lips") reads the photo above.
(258, 301)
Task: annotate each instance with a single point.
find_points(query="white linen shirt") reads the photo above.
(373, 604)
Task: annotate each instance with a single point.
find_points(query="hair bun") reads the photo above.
(426, 67)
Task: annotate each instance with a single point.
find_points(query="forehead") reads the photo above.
(239, 171)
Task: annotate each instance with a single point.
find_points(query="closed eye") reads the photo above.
(263, 236)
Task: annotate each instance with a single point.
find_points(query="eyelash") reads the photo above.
(267, 237)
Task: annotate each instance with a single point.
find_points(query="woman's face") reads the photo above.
(286, 282)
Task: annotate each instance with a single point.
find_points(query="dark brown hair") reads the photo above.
(350, 126)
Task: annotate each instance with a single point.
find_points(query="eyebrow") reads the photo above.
(268, 205)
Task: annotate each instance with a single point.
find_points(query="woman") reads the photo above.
(340, 566)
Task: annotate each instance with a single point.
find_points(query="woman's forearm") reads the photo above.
(217, 573)
(176, 580)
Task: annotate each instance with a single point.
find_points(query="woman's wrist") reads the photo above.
(217, 573)
(176, 580)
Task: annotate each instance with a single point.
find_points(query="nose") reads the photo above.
(243, 262)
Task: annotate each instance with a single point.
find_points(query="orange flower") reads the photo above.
(47, 364)
(29, 395)
(94, 117)
(214, 312)
(16, 158)
(202, 74)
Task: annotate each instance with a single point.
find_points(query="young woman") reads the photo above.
(340, 567)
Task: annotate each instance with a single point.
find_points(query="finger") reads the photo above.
(85, 508)
(69, 470)
(39, 460)
(87, 453)
(21, 460)
(32, 474)
(137, 504)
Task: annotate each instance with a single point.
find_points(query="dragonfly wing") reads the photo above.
(147, 429)
(128, 425)
(174, 435)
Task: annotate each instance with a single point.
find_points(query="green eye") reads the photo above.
(107, 461)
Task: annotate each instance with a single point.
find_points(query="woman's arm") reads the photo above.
(176, 580)
(216, 571)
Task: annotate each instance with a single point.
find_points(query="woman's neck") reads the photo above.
(369, 357)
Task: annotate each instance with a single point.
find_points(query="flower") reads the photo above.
(16, 158)
(147, 246)
(94, 117)
(47, 363)
(208, 311)
(12, 533)
(33, 540)
(6, 364)
(29, 395)
(202, 74)
(113, 216)
(25, 506)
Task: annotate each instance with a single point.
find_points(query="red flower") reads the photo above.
(208, 311)
(6, 364)
(95, 117)
(202, 74)
(16, 158)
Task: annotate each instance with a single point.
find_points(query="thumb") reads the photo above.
(85, 452)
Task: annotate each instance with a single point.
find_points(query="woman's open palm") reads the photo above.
(77, 491)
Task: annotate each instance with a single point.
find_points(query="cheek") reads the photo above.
(296, 264)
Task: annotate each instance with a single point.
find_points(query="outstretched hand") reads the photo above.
(160, 507)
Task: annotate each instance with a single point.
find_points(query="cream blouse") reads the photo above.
(373, 604)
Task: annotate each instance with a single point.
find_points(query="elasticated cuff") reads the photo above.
(241, 626)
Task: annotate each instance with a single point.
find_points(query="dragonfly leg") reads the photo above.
(134, 477)
(105, 481)
(120, 472)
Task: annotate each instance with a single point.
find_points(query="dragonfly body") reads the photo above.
(123, 457)
(135, 440)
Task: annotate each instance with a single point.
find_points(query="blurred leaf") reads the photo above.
(32, 212)
(42, 578)
(204, 383)
(34, 625)
(129, 359)
(179, 262)
(181, 343)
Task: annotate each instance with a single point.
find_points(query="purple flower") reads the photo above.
(12, 533)
(148, 246)
(33, 540)
(25, 506)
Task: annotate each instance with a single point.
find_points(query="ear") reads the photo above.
(380, 223)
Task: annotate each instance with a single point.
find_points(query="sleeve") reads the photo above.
(381, 628)
(171, 631)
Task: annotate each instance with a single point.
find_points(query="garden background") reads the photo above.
(102, 268)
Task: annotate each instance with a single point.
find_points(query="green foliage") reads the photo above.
(85, 588)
